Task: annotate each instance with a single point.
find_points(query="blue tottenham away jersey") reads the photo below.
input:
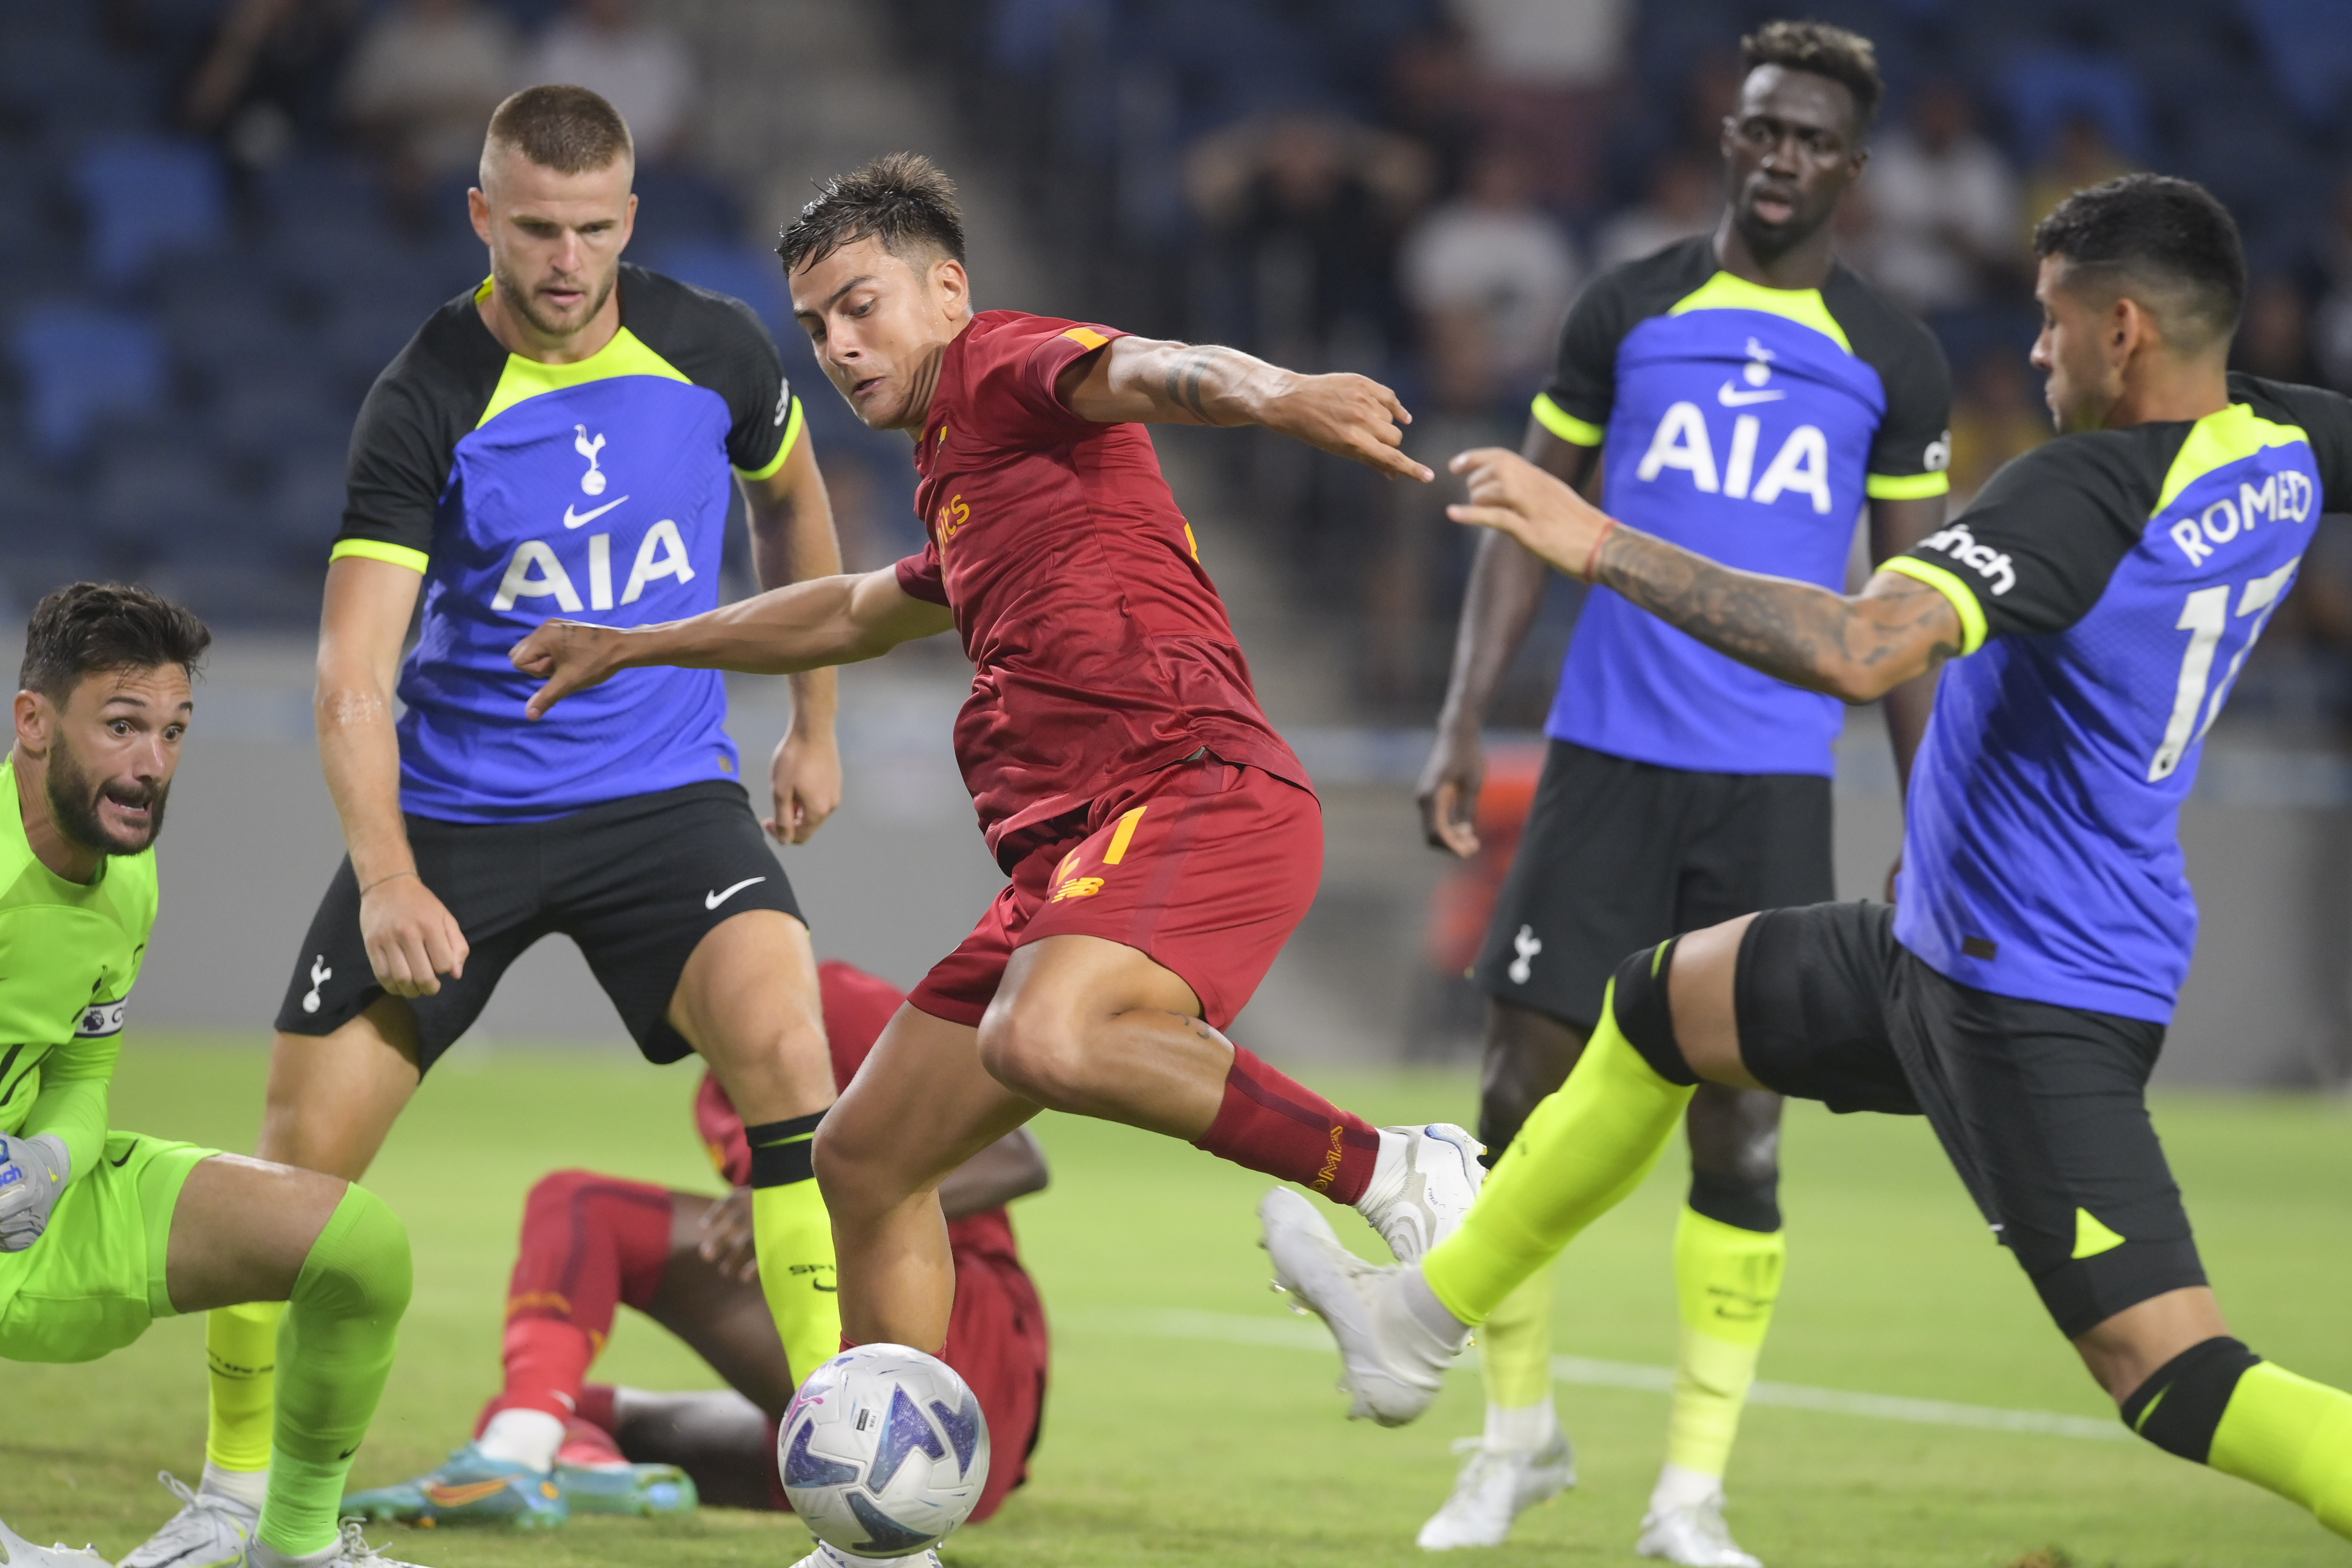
(2115, 583)
(1748, 425)
(597, 491)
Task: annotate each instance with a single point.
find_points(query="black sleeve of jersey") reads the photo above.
(1915, 437)
(1584, 383)
(2036, 549)
(2326, 417)
(406, 439)
(719, 342)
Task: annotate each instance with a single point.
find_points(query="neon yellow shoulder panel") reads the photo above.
(2220, 439)
(1803, 306)
(627, 354)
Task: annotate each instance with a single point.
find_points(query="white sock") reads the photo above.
(1388, 1172)
(1522, 1431)
(247, 1489)
(1678, 1489)
(522, 1438)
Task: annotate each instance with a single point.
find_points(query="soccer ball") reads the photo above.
(884, 1451)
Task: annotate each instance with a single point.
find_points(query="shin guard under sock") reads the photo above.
(1584, 1149)
(794, 1237)
(2218, 1403)
(1726, 1280)
(334, 1352)
(1269, 1121)
(241, 1359)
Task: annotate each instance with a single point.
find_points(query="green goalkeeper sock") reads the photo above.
(1584, 1149)
(1728, 1279)
(241, 1356)
(334, 1352)
(794, 1237)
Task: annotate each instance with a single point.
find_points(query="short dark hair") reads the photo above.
(2169, 236)
(904, 200)
(567, 129)
(84, 628)
(1820, 49)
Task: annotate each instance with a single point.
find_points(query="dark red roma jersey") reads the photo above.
(1100, 650)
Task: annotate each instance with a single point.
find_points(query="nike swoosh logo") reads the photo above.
(712, 900)
(1729, 398)
(348, 1452)
(575, 519)
(118, 1164)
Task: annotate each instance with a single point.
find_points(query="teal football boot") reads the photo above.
(470, 1488)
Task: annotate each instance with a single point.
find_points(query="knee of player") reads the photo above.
(848, 1174)
(360, 1266)
(1035, 1051)
(556, 1191)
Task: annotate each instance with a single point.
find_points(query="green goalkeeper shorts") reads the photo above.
(95, 1279)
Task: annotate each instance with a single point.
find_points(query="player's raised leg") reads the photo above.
(748, 1002)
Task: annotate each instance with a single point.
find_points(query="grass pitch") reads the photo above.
(1165, 1446)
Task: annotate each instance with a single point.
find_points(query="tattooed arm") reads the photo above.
(1144, 380)
(1855, 648)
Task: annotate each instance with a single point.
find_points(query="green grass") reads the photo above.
(1161, 1450)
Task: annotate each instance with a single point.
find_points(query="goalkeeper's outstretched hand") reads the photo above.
(33, 1173)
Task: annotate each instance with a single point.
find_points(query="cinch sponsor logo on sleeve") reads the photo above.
(2286, 497)
(1994, 565)
(100, 1020)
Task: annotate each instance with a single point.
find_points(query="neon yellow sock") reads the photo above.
(335, 1350)
(1726, 1280)
(795, 1239)
(1514, 1346)
(1585, 1148)
(241, 1354)
(2294, 1436)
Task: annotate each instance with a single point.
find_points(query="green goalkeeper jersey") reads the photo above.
(68, 953)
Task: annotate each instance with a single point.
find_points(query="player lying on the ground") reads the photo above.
(1161, 840)
(2017, 995)
(531, 448)
(1752, 394)
(686, 1260)
(103, 1232)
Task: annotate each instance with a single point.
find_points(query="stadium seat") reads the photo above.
(78, 363)
(2043, 89)
(2307, 44)
(145, 199)
(749, 274)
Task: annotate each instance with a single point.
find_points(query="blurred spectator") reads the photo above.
(422, 83)
(2081, 157)
(1434, 92)
(1488, 276)
(1998, 415)
(2331, 331)
(2275, 333)
(640, 67)
(1944, 205)
(1307, 209)
(261, 77)
(1547, 69)
(1684, 198)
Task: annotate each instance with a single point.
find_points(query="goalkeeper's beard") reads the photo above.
(73, 793)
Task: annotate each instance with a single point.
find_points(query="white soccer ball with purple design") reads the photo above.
(884, 1451)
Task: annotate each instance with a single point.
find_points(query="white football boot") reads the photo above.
(209, 1532)
(826, 1556)
(1392, 1360)
(1423, 1182)
(1494, 1488)
(16, 1552)
(350, 1550)
(1693, 1535)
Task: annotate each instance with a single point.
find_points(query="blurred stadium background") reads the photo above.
(219, 218)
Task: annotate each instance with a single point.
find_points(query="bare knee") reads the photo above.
(1034, 1047)
(856, 1172)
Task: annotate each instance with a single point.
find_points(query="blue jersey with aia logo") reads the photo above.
(2115, 583)
(596, 490)
(1747, 425)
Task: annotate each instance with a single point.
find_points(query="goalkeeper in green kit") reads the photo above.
(102, 1232)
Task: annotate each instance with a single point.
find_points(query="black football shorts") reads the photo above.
(1619, 855)
(2041, 1108)
(635, 882)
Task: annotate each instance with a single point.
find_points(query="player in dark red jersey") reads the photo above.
(1161, 840)
(590, 1243)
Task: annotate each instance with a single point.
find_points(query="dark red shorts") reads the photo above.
(996, 1342)
(1205, 867)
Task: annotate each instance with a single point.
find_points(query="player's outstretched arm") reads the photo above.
(808, 625)
(1855, 648)
(792, 540)
(1146, 381)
